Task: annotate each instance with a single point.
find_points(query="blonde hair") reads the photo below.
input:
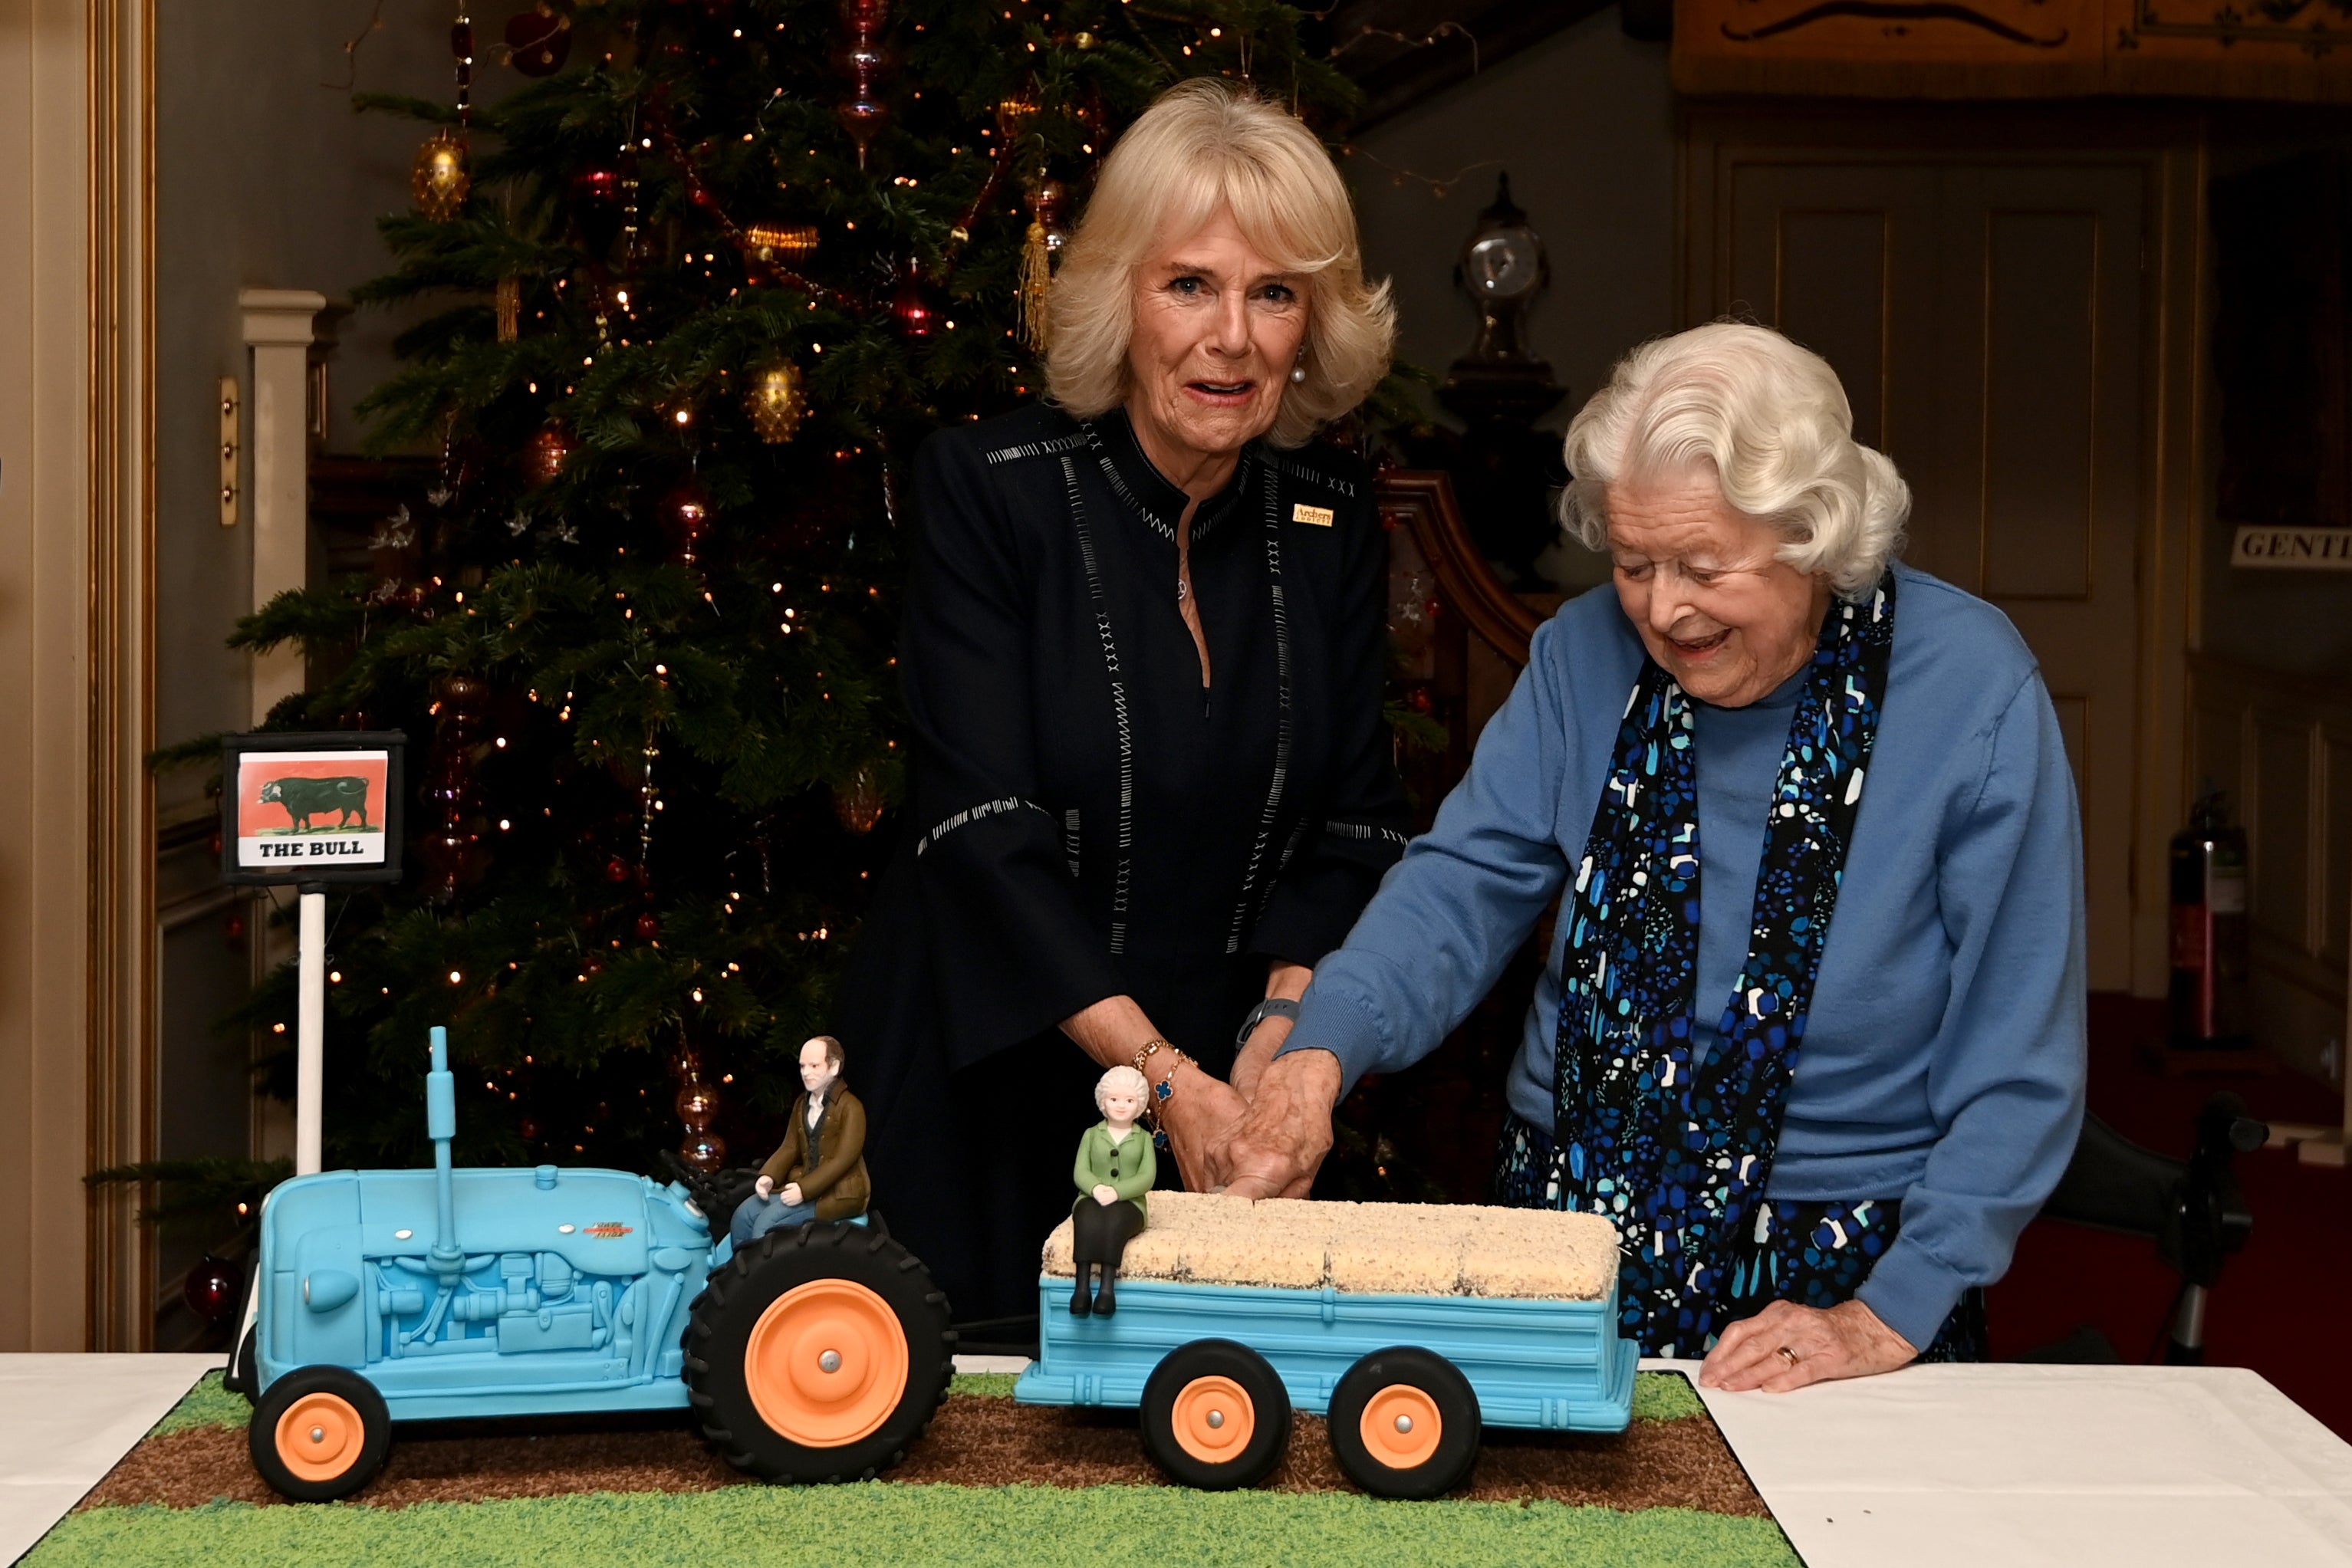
(1770, 420)
(1206, 145)
(1123, 1079)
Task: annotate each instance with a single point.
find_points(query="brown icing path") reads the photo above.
(974, 1441)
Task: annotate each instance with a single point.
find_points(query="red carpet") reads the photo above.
(2281, 1303)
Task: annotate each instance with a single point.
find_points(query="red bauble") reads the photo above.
(212, 1287)
(545, 453)
(684, 515)
(597, 206)
(647, 927)
(597, 187)
(616, 870)
(528, 1129)
(915, 311)
(539, 40)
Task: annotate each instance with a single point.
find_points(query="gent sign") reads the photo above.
(2323, 549)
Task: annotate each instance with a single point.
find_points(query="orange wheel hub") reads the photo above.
(827, 1364)
(1214, 1420)
(319, 1437)
(1401, 1427)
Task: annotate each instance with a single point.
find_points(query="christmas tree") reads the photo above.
(709, 283)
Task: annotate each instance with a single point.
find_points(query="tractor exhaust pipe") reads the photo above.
(441, 1125)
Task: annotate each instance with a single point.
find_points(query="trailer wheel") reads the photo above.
(319, 1433)
(819, 1354)
(1404, 1423)
(1215, 1416)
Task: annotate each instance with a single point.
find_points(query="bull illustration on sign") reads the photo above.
(304, 798)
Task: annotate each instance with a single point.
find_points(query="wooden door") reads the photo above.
(1987, 314)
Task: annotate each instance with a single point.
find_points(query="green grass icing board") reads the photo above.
(882, 1522)
(877, 1522)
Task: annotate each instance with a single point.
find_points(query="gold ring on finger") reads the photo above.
(1790, 1357)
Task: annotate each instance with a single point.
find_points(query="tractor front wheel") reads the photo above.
(819, 1354)
(319, 1433)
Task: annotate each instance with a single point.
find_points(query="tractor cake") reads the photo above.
(819, 1350)
(817, 1353)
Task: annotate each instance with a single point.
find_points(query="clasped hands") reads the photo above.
(1265, 1133)
(766, 1187)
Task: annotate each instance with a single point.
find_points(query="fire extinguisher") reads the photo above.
(2209, 929)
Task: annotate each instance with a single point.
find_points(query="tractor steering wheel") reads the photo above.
(717, 1196)
(707, 1194)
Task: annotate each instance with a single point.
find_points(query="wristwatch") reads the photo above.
(1272, 1008)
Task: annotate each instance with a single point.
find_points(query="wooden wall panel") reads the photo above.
(2041, 394)
(74, 356)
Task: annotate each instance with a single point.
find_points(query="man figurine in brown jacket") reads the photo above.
(820, 1172)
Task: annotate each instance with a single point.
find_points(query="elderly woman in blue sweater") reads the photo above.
(1811, 1030)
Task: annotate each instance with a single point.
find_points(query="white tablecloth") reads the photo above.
(65, 1419)
(2001, 1467)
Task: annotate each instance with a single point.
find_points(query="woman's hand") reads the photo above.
(1845, 1341)
(1279, 1146)
(1200, 1120)
(1105, 1195)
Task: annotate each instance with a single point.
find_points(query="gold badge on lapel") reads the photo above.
(1319, 516)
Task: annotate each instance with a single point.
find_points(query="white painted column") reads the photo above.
(279, 327)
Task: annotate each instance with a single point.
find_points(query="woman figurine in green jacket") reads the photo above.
(1114, 1169)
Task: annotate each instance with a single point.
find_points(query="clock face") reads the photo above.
(1505, 265)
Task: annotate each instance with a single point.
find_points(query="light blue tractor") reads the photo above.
(818, 1354)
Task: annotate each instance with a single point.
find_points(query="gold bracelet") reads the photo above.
(1160, 1093)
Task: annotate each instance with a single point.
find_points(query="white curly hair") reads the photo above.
(1769, 419)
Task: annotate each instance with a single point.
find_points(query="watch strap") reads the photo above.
(1272, 1008)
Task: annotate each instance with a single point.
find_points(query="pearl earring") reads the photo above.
(1298, 374)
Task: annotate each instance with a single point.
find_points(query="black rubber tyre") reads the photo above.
(363, 1454)
(720, 1343)
(1439, 1381)
(240, 1377)
(1269, 1433)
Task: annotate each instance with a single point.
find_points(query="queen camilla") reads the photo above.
(1142, 658)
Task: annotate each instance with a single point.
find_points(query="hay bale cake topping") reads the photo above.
(1371, 1249)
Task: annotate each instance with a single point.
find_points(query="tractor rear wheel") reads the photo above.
(319, 1433)
(819, 1354)
(1404, 1423)
(1215, 1416)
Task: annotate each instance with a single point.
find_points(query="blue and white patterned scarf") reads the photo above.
(1674, 1150)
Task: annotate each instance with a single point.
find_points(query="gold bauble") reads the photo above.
(858, 803)
(780, 242)
(440, 182)
(775, 402)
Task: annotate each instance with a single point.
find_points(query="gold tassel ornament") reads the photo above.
(1037, 281)
(510, 310)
